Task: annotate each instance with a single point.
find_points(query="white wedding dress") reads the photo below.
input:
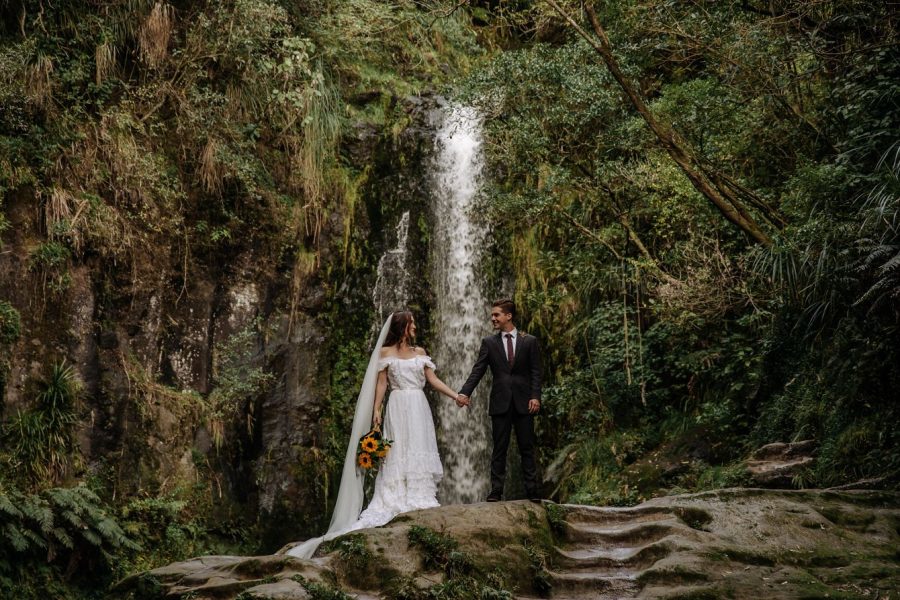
(410, 473)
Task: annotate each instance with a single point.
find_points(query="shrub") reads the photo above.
(42, 439)
(10, 324)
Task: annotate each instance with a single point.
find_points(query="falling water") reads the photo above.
(460, 318)
(391, 287)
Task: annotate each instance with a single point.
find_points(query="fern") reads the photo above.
(70, 519)
(15, 537)
(62, 537)
(92, 537)
(36, 540)
(37, 509)
(892, 264)
(7, 507)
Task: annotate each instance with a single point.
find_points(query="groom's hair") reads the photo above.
(507, 306)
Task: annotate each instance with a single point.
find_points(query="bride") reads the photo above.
(410, 473)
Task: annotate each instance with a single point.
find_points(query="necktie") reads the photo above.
(509, 349)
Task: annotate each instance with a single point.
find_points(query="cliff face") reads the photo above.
(213, 368)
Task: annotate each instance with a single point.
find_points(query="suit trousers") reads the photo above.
(501, 429)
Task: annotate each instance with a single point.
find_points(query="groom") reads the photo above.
(515, 362)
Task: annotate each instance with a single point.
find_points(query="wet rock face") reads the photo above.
(738, 543)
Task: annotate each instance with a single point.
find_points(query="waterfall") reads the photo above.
(460, 318)
(391, 287)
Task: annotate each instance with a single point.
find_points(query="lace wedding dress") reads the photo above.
(410, 473)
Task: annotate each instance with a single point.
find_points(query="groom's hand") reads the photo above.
(462, 400)
(534, 405)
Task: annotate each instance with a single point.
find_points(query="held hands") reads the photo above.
(462, 400)
(534, 405)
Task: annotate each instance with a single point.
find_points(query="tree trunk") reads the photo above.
(678, 149)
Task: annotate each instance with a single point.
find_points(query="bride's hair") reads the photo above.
(399, 324)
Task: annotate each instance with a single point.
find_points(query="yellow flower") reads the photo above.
(369, 444)
(365, 461)
(382, 451)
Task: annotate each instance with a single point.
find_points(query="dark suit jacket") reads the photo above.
(514, 385)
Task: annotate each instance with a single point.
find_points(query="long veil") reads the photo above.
(350, 493)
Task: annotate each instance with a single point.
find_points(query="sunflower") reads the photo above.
(365, 461)
(382, 452)
(369, 444)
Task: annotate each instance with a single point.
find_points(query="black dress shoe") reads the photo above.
(492, 497)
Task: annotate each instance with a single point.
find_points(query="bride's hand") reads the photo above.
(376, 420)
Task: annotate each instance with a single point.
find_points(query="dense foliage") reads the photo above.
(677, 341)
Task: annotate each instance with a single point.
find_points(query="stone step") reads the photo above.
(607, 535)
(614, 514)
(591, 584)
(612, 558)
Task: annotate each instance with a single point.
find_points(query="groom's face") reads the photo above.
(500, 320)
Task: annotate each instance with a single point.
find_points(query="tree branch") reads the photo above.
(591, 234)
(677, 148)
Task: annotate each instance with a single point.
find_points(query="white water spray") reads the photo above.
(391, 284)
(460, 319)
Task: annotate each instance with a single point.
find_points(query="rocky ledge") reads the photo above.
(735, 543)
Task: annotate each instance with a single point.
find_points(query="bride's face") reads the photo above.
(411, 330)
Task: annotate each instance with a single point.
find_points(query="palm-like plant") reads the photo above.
(43, 438)
(882, 246)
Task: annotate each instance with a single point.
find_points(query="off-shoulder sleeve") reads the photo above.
(384, 362)
(426, 360)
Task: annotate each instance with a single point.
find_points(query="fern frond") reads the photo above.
(91, 536)
(8, 508)
(892, 264)
(74, 520)
(63, 537)
(36, 540)
(37, 509)
(15, 537)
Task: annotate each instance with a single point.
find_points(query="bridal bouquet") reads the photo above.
(372, 448)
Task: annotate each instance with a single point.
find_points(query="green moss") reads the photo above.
(699, 594)
(464, 588)
(463, 580)
(10, 324)
(556, 517)
(540, 577)
(352, 549)
(320, 591)
(807, 586)
(439, 551)
(356, 563)
(851, 519)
